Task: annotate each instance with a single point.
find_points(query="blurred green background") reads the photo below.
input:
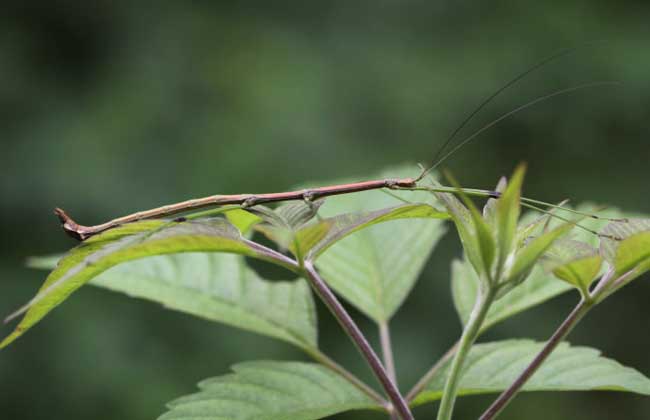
(108, 107)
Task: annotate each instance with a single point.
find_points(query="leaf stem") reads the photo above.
(357, 337)
(387, 350)
(422, 383)
(563, 330)
(387, 353)
(470, 333)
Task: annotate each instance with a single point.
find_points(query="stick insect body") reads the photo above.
(81, 232)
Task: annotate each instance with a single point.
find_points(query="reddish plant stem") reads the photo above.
(81, 232)
(564, 329)
(357, 337)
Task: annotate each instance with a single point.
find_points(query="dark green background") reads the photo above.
(107, 107)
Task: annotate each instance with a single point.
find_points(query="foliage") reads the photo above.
(370, 247)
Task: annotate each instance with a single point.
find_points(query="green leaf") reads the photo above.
(218, 287)
(565, 250)
(375, 268)
(633, 253)
(338, 227)
(617, 232)
(490, 208)
(297, 213)
(580, 273)
(129, 242)
(537, 289)
(507, 215)
(282, 225)
(242, 219)
(492, 367)
(526, 258)
(463, 221)
(483, 231)
(308, 237)
(485, 241)
(268, 390)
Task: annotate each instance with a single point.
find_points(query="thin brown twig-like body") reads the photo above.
(81, 232)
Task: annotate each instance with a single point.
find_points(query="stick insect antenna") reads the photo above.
(514, 111)
(484, 103)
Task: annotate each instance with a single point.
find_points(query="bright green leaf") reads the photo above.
(281, 225)
(269, 390)
(242, 219)
(537, 289)
(375, 268)
(490, 208)
(565, 250)
(308, 237)
(617, 232)
(492, 367)
(507, 216)
(463, 221)
(483, 231)
(129, 242)
(633, 253)
(218, 287)
(581, 272)
(338, 227)
(526, 258)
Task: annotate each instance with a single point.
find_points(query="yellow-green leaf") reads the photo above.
(581, 272)
(526, 258)
(269, 390)
(129, 242)
(507, 215)
(216, 286)
(492, 367)
(633, 253)
(338, 227)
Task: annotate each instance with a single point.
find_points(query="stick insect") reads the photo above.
(81, 232)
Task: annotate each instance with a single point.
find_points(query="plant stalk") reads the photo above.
(563, 330)
(387, 353)
(387, 350)
(470, 333)
(580, 310)
(357, 337)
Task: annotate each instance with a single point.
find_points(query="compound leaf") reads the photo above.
(218, 287)
(492, 367)
(130, 242)
(375, 268)
(338, 227)
(537, 289)
(268, 390)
